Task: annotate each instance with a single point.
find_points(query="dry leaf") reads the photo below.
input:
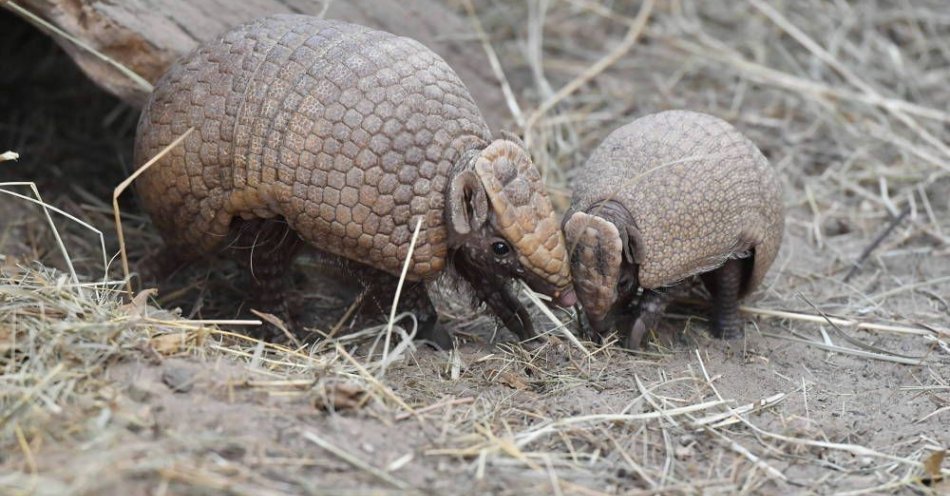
(168, 344)
(6, 339)
(139, 303)
(340, 396)
(279, 324)
(512, 380)
(932, 466)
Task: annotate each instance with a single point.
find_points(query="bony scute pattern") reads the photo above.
(665, 198)
(345, 138)
(698, 190)
(523, 211)
(347, 133)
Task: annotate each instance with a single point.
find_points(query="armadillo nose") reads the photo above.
(566, 298)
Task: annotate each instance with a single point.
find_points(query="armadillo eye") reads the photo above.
(500, 248)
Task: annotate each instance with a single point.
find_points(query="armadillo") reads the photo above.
(342, 139)
(667, 197)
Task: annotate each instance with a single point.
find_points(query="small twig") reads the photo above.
(856, 266)
(355, 462)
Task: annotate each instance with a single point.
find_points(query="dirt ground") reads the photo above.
(841, 386)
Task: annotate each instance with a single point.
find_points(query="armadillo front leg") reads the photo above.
(378, 300)
(506, 307)
(644, 318)
(723, 285)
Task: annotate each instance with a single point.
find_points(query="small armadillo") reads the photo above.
(667, 197)
(341, 137)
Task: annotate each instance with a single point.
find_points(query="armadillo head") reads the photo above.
(501, 219)
(602, 261)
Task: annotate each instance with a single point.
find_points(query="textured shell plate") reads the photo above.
(346, 132)
(699, 192)
(523, 212)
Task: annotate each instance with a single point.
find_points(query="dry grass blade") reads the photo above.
(854, 324)
(850, 448)
(392, 312)
(628, 42)
(532, 435)
(47, 208)
(840, 96)
(115, 203)
(375, 382)
(850, 76)
(849, 351)
(560, 327)
(31, 393)
(497, 70)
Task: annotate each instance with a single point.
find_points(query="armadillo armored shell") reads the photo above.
(348, 133)
(523, 211)
(698, 190)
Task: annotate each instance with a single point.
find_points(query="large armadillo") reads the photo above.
(667, 197)
(344, 137)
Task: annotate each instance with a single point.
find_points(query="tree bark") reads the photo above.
(147, 36)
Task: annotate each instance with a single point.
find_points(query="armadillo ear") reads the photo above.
(633, 245)
(596, 251)
(468, 205)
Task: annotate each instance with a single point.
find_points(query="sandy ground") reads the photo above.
(101, 397)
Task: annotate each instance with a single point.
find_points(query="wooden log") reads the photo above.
(147, 36)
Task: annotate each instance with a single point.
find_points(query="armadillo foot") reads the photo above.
(723, 285)
(270, 284)
(645, 318)
(492, 289)
(417, 299)
(510, 312)
(378, 299)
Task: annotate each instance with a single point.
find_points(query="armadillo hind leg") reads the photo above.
(267, 248)
(380, 289)
(723, 285)
(162, 265)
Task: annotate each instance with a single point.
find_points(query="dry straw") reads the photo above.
(582, 418)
